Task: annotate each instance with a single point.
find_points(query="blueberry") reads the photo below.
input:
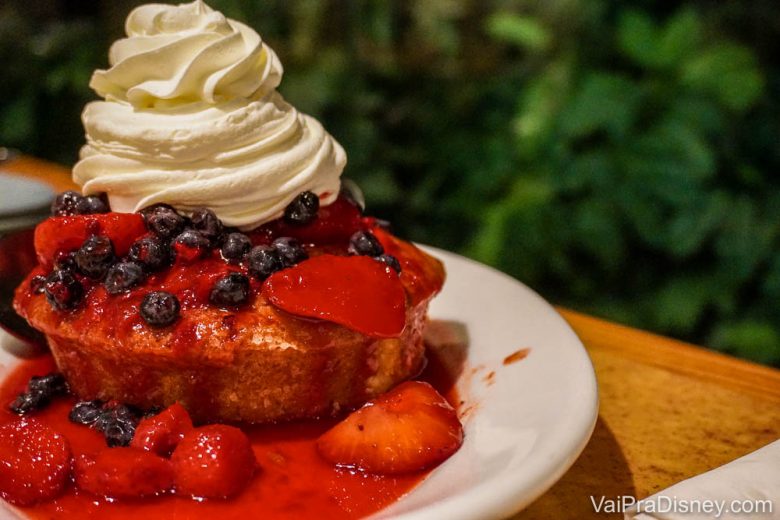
(123, 276)
(233, 289)
(160, 308)
(65, 261)
(192, 239)
(63, 290)
(207, 222)
(95, 256)
(290, 251)
(86, 412)
(37, 284)
(163, 221)
(117, 425)
(235, 246)
(303, 209)
(28, 402)
(264, 261)
(152, 252)
(391, 261)
(49, 385)
(66, 204)
(365, 243)
(92, 205)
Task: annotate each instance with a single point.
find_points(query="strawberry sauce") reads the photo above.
(292, 481)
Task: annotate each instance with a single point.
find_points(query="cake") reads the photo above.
(212, 258)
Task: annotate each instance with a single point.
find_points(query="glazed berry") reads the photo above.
(365, 243)
(66, 204)
(35, 462)
(391, 261)
(190, 245)
(86, 412)
(163, 221)
(235, 247)
(162, 432)
(95, 256)
(290, 251)
(92, 205)
(214, 461)
(39, 393)
(233, 289)
(65, 261)
(123, 473)
(27, 402)
(303, 209)
(63, 290)
(207, 222)
(264, 261)
(123, 276)
(152, 252)
(117, 424)
(37, 284)
(160, 308)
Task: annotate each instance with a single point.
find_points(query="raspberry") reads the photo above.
(161, 433)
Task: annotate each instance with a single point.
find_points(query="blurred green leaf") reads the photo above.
(519, 30)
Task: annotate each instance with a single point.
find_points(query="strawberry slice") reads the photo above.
(161, 433)
(335, 223)
(123, 473)
(358, 292)
(214, 461)
(410, 428)
(63, 234)
(34, 462)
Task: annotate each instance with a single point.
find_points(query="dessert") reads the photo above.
(213, 270)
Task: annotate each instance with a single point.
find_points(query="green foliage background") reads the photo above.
(620, 157)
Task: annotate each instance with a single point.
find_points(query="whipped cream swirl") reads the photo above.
(191, 118)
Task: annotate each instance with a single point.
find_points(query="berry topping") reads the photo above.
(303, 209)
(231, 290)
(65, 261)
(123, 276)
(235, 247)
(152, 252)
(34, 462)
(191, 245)
(209, 225)
(161, 433)
(92, 205)
(117, 423)
(66, 204)
(410, 428)
(123, 473)
(365, 243)
(214, 461)
(37, 284)
(39, 393)
(357, 292)
(391, 261)
(290, 251)
(63, 290)
(58, 235)
(86, 412)
(163, 221)
(264, 261)
(334, 223)
(160, 308)
(95, 256)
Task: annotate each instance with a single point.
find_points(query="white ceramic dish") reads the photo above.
(525, 424)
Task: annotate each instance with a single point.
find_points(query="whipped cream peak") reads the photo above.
(191, 117)
(187, 53)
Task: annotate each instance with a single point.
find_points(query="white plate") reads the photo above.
(527, 423)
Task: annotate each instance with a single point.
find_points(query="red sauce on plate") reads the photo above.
(293, 481)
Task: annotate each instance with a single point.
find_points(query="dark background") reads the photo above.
(620, 157)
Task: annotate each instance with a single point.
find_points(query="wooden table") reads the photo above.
(669, 410)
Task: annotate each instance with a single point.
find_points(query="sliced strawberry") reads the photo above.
(410, 428)
(161, 433)
(214, 461)
(123, 473)
(355, 291)
(63, 234)
(335, 223)
(34, 462)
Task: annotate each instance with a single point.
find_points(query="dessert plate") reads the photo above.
(529, 392)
